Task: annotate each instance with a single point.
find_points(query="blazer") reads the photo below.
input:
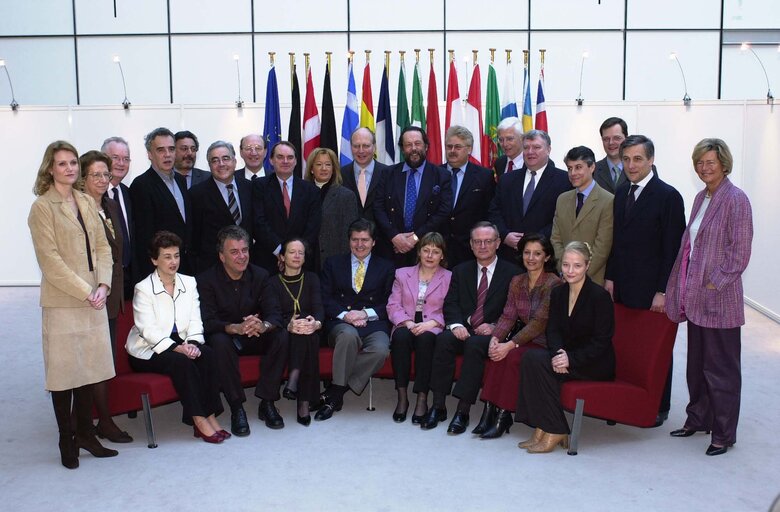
(271, 225)
(338, 294)
(124, 190)
(60, 248)
(155, 209)
(593, 225)
(586, 334)
(197, 176)
(402, 304)
(116, 298)
(499, 166)
(155, 314)
(375, 185)
(470, 207)
(604, 178)
(526, 311)
(461, 299)
(210, 213)
(645, 245)
(720, 255)
(339, 209)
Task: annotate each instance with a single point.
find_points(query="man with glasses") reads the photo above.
(187, 147)
(473, 305)
(609, 170)
(252, 148)
(510, 138)
(118, 150)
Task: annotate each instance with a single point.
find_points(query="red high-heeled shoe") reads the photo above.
(214, 438)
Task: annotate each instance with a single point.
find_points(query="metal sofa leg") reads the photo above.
(575, 431)
(371, 395)
(148, 420)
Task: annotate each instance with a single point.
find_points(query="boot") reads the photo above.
(69, 454)
(85, 433)
(106, 428)
(549, 442)
(488, 417)
(538, 433)
(500, 425)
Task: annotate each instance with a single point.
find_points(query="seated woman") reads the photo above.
(415, 308)
(579, 346)
(528, 305)
(300, 298)
(168, 338)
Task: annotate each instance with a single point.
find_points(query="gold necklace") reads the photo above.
(296, 300)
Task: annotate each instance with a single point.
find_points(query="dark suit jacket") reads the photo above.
(210, 213)
(116, 299)
(338, 295)
(586, 334)
(471, 206)
(645, 245)
(127, 245)
(155, 209)
(271, 225)
(506, 210)
(377, 179)
(461, 299)
(604, 178)
(197, 176)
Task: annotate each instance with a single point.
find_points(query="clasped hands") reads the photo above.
(483, 329)
(188, 349)
(299, 325)
(356, 317)
(403, 242)
(497, 350)
(97, 299)
(251, 326)
(560, 362)
(421, 327)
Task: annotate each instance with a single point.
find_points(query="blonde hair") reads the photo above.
(335, 177)
(719, 147)
(44, 179)
(581, 248)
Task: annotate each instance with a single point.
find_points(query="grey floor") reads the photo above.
(363, 461)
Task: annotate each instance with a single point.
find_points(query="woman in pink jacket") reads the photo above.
(705, 288)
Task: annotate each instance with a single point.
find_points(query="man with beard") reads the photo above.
(186, 154)
(416, 198)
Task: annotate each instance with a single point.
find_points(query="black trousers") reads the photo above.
(447, 349)
(402, 344)
(273, 348)
(305, 356)
(195, 380)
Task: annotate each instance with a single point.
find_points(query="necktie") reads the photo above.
(411, 200)
(529, 192)
(510, 166)
(361, 185)
(360, 276)
(630, 200)
(455, 186)
(233, 205)
(254, 177)
(125, 233)
(286, 198)
(614, 175)
(479, 314)
(580, 200)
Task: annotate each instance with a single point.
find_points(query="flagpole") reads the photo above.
(508, 56)
(416, 56)
(541, 56)
(271, 56)
(327, 59)
(292, 67)
(474, 55)
(492, 55)
(368, 55)
(350, 56)
(387, 63)
(306, 64)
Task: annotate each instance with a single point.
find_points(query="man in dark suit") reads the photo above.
(119, 151)
(510, 138)
(473, 187)
(240, 316)
(416, 198)
(649, 220)
(160, 202)
(525, 200)
(474, 303)
(284, 206)
(609, 170)
(187, 146)
(252, 148)
(219, 201)
(355, 289)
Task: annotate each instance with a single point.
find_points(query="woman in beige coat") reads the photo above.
(75, 260)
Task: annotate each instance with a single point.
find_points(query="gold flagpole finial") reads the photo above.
(474, 56)
(417, 55)
(306, 63)
(492, 55)
(430, 54)
(271, 56)
(292, 66)
(508, 55)
(327, 58)
(452, 54)
(525, 57)
(402, 53)
(368, 55)
(350, 55)
(387, 61)
(541, 55)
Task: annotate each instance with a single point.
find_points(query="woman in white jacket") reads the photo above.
(168, 338)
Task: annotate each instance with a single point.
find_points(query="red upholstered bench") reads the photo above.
(643, 344)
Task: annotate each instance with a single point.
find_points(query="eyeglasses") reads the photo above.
(364, 147)
(224, 159)
(122, 159)
(483, 243)
(257, 148)
(456, 147)
(97, 176)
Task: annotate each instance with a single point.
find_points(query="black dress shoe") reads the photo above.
(416, 420)
(458, 424)
(267, 412)
(433, 417)
(501, 425)
(304, 420)
(320, 403)
(400, 417)
(239, 425)
(660, 418)
(716, 450)
(682, 432)
(326, 412)
(486, 420)
(289, 394)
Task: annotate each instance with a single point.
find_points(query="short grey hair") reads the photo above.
(538, 134)
(221, 144)
(460, 132)
(157, 132)
(513, 123)
(118, 140)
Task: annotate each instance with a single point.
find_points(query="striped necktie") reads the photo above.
(233, 205)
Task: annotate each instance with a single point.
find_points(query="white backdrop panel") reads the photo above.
(498, 15)
(576, 13)
(136, 17)
(37, 17)
(210, 16)
(380, 15)
(307, 16)
(668, 14)
(752, 14)
(742, 74)
(43, 71)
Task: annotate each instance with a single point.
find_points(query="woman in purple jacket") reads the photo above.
(705, 288)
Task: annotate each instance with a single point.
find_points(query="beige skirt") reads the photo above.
(76, 347)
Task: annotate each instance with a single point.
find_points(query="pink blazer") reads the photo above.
(720, 255)
(403, 300)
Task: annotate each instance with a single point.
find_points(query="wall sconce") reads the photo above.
(125, 102)
(580, 99)
(14, 105)
(686, 98)
(770, 100)
(239, 101)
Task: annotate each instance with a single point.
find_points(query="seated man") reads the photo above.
(355, 289)
(473, 305)
(240, 317)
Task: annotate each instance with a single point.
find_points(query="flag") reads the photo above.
(541, 113)
(385, 145)
(492, 114)
(272, 128)
(472, 115)
(328, 129)
(434, 155)
(454, 111)
(402, 109)
(367, 102)
(528, 122)
(350, 120)
(418, 110)
(294, 128)
(311, 121)
(509, 105)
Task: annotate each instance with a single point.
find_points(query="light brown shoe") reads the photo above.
(549, 442)
(538, 433)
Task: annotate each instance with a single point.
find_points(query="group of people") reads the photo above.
(514, 268)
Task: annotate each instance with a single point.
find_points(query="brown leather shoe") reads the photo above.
(549, 442)
(538, 433)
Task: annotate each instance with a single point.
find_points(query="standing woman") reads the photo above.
(705, 288)
(75, 262)
(95, 178)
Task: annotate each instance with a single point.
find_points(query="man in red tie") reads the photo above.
(510, 138)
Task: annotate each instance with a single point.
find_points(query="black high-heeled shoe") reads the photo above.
(304, 420)
(501, 425)
(400, 417)
(289, 394)
(685, 432)
(487, 418)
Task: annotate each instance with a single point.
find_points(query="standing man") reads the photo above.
(649, 220)
(160, 202)
(473, 305)
(472, 190)
(240, 316)
(525, 200)
(186, 155)
(252, 148)
(416, 198)
(510, 138)
(118, 150)
(584, 214)
(221, 200)
(355, 289)
(609, 170)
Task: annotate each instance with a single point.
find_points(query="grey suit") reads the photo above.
(195, 176)
(604, 178)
